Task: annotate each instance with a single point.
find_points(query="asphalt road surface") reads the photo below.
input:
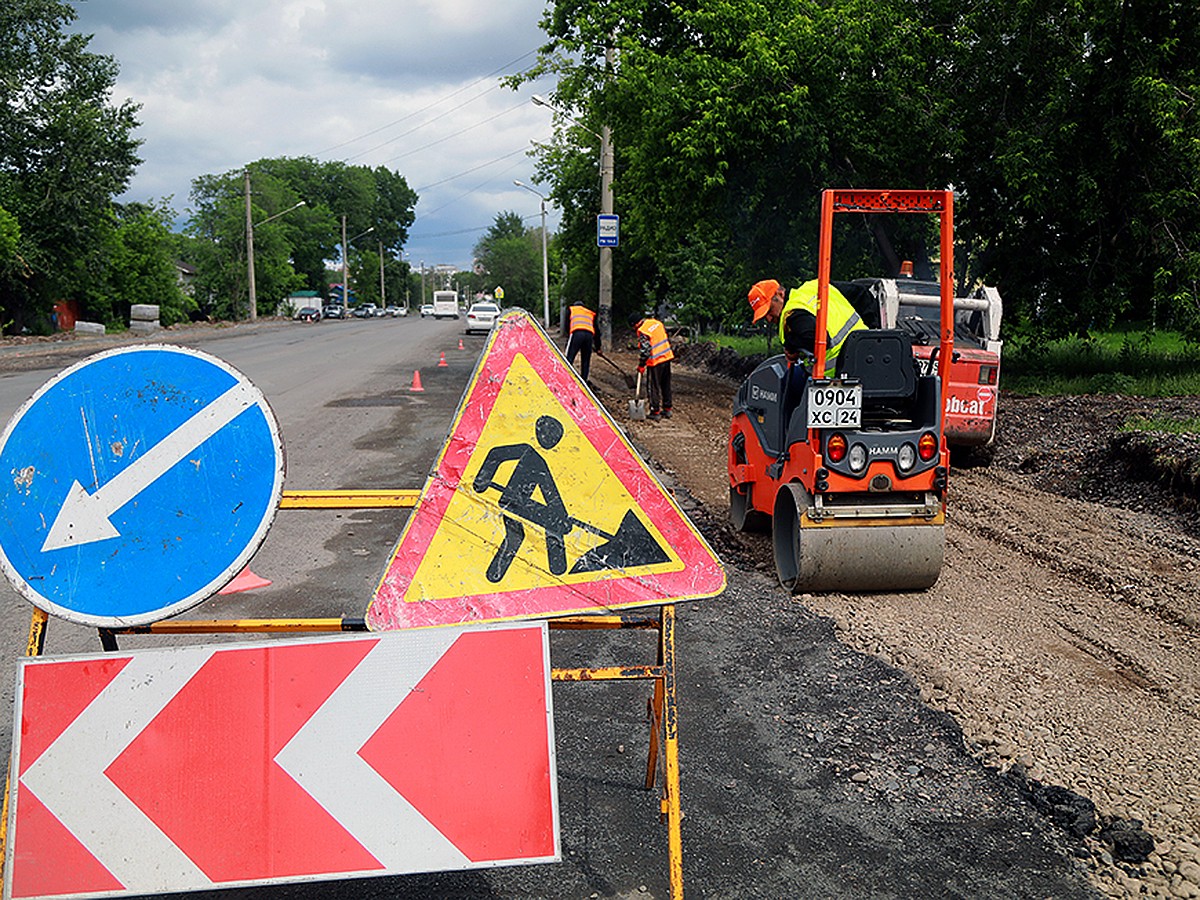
(808, 769)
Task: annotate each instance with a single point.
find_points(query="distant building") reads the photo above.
(186, 276)
(297, 300)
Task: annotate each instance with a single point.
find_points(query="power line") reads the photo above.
(442, 140)
(472, 169)
(465, 87)
(405, 134)
(477, 187)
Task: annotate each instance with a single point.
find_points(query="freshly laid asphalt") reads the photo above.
(808, 769)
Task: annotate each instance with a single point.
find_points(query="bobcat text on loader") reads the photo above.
(851, 475)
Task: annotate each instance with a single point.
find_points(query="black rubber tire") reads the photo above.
(743, 516)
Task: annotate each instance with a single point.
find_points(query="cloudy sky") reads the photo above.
(408, 84)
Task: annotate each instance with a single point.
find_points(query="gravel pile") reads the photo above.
(1064, 633)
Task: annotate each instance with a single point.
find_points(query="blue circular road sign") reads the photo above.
(137, 483)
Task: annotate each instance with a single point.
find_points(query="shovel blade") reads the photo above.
(637, 410)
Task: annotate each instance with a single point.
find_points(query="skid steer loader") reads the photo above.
(850, 476)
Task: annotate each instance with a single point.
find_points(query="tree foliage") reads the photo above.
(510, 256)
(292, 249)
(65, 151)
(1069, 131)
(134, 264)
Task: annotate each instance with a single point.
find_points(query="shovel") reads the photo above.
(628, 378)
(637, 407)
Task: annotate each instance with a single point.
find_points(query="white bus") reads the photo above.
(445, 303)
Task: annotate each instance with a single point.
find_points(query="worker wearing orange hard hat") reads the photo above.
(796, 313)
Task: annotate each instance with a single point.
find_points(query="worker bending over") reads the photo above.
(582, 327)
(654, 355)
(796, 313)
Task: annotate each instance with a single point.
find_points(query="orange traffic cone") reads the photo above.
(442, 359)
(460, 346)
(245, 581)
(416, 385)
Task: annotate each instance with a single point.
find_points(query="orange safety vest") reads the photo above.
(660, 346)
(582, 319)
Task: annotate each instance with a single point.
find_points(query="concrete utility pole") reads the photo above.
(250, 249)
(345, 270)
(382, 290)
(604, 312)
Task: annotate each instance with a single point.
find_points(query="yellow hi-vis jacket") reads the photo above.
(840, 320)
(655, 334)
(582, 319)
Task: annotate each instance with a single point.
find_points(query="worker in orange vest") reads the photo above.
(581, 324)
(655, 355)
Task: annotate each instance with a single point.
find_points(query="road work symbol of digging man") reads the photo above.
(531, 479)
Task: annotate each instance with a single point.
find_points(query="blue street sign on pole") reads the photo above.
(138, 482)
(608, 230)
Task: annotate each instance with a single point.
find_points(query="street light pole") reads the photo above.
(545, 260)
(346, 261)
(382, 289)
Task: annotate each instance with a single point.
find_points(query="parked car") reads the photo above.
(308, 314)
(334, 311)
(392, 311)
(426, 310)
(401, 311)
(365, 311)
(481, 316)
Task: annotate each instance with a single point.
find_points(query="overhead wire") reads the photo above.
(434, 104)
(430, 106)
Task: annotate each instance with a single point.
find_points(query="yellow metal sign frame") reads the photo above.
(662, 707)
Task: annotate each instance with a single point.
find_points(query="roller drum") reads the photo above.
(857, 556)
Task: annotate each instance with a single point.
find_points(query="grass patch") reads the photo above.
(1162, 424)
(1138, 363)
(744, 344)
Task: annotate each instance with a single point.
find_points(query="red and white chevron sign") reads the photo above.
(194, 767)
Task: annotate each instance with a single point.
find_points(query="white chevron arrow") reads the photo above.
(323, 758)
(84, 517)
(69, 776)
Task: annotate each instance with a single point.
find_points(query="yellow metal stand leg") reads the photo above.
(671, 755)
(654, 712)
(33, 647)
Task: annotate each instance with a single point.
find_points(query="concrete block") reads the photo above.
(89, 328)
(143, 312)
(139, 327)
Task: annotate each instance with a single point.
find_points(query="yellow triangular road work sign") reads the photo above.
(537, 506)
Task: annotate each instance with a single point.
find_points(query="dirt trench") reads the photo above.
(1064, 632)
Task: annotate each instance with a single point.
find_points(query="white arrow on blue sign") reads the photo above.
(138, 482)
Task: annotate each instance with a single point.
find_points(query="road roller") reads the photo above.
(849, 471)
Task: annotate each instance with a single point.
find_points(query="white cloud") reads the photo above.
(372, 82)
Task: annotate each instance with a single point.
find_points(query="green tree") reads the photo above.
(293, 250)
(727, 119)
(1081, 159)
(65, 151)
(1070, 131)
(510, 255)
(135, 264)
